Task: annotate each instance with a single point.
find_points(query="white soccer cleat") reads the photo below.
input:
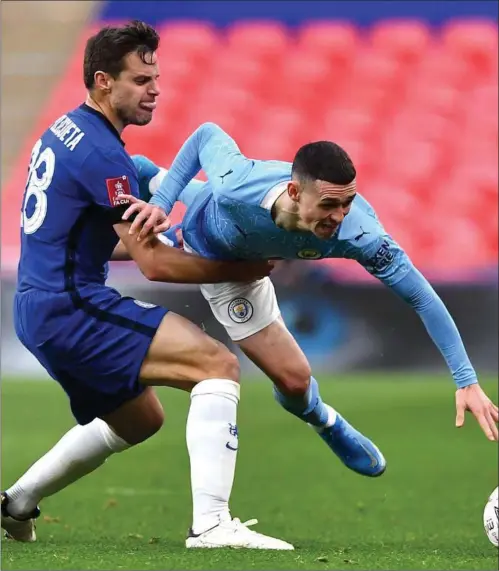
(19, 530)
(237, 535)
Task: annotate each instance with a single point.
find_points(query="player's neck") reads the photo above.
(285, 213)
(106, 110)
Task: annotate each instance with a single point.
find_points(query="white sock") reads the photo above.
(212, 443)
(78, 452)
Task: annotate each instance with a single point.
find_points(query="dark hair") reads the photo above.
(324, 160)
(106, 50)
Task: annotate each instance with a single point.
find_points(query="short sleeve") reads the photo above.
(106, 177)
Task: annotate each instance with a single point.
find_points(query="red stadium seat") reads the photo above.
(439, 67)
(410, 163)
(462, 244)
(354, 130)
(265, 40)
(180, 72)
(372, 67)
(474, 41)
(222, 106)
(195, 39)
(237, 69)
(403, 40)
(438, 99)
(281, 119)
(259, 144)
(335, 40)
(300, 81)
(417, 123)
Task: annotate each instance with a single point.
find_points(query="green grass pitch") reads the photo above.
(425, 512)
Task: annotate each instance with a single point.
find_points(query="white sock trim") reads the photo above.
(223, 387)
(114, 442)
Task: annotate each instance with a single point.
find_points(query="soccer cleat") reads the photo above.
(354, 449)
(235, 534)
(150, 176)
(18, 529)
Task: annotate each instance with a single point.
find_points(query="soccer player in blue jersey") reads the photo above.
(310, 209)
(108, 351)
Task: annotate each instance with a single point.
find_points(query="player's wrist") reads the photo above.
(466, 383)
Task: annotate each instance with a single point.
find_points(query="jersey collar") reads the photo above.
(104, 119)
(273, 194)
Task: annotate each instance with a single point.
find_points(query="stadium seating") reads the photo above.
(416, 108)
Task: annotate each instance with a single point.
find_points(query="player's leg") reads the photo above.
(79, 452)
(156, 349)
(76, 339)
(181, 355)
(250, 314)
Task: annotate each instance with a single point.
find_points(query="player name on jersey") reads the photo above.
(67, 132)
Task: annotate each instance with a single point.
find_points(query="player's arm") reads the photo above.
(159, 262)
(120, 253)
(211, 149)
(151, 176)
(385, 260)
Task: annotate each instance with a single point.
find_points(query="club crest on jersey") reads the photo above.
(240, 310)
(309, 254)
(116, 188)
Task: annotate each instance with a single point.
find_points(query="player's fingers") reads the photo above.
(495, 431)
(148, 225)
(130, 210)
(494, 414)
(460, 415)
(131, 198)
(139, 220)
(492, 426)
(484, 425)
(163, 227)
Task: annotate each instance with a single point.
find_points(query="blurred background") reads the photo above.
(410, 89)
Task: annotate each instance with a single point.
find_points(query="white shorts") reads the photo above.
(243, 308)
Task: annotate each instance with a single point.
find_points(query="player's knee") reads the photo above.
(294, 380)
(137, 419)
(147, 426)
(222, 364)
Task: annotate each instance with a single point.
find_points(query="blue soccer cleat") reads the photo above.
(149, 181)
(355, 450)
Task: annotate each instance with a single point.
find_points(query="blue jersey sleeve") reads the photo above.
(105, 177)
(211, 149)
(418, 293)
(387, 261)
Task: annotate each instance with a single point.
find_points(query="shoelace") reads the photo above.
(245, 524)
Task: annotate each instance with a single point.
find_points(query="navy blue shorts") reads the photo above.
(93, 344)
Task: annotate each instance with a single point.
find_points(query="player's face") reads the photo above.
(133, 93)
(322, 206)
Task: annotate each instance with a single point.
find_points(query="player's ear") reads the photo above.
(102, 81)
(294, 190)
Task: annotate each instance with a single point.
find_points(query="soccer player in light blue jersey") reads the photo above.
(310, 209)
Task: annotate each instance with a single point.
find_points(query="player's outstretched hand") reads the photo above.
(473, 399)
(149, 218)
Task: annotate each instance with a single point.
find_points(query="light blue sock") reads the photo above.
(308, 408)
